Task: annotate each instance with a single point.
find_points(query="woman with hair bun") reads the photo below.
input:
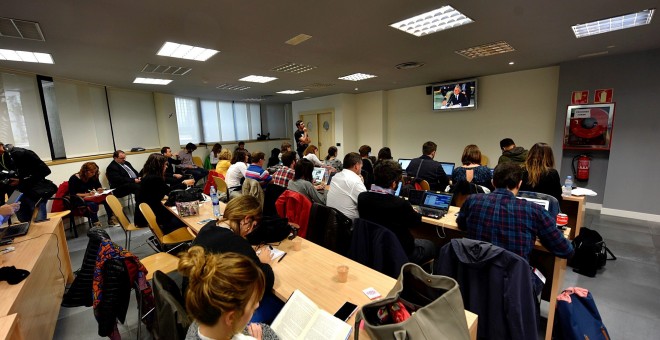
(223, 292)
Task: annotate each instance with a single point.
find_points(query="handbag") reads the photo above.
(590, 253)
(181, 195)
(434, 302)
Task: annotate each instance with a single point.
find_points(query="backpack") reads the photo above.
(590, 253)
(577, 316)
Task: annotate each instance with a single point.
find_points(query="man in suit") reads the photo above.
(122, 176)
(457, 98)
(427, 169)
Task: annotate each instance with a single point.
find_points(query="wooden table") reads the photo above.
(574, 207)
(36, 300)
(313, 271)
(554, 268)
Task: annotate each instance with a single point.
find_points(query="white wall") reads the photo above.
(372, 116)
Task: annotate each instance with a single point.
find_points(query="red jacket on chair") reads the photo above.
(296, 207)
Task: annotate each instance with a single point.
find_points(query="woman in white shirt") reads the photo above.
(311, 154)
(214, 155)
(223, 292)
(236, 172)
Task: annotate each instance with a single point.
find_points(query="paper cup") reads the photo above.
(297, 243)
(342, 273)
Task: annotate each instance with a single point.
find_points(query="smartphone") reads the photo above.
(15, 197)
(346, 311)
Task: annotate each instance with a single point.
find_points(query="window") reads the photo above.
(241, 121)
(187, 117)
(227, 118)
(255, 120)
(223, 121)
(211, 120)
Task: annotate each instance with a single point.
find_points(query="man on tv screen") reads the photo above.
(457, 98)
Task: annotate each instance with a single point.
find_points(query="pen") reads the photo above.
(280, 260)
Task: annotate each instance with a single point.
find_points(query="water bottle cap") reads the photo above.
(569, 177)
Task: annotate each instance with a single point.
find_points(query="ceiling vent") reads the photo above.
(317, 86)
(409, 65)
(232, 87)
(164, 69)
(20, 29)
(293, 68)
(486, 50)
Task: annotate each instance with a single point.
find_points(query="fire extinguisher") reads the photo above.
(583, 164)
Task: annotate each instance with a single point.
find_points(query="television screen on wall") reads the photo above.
(456, 95)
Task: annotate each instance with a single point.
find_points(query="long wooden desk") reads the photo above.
(552, 267)
(313, 271)
(36, 300)
(574, 207)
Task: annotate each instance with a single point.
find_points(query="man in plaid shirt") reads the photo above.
(282, 176)
(513, 224)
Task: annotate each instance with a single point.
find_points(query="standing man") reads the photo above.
(122, 176)
(427, 169)
(301, 137)
(511, 152)
(346, 186)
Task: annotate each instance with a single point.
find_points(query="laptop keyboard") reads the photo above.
(432, 213)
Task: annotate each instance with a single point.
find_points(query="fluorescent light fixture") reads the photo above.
(253, 99)
(257, 79)
(293, 68)
(613, 24)
(290, 92)
(357, 76)
(174, 50)
(437, 20)
(511, 63)
(486, 50)
(232, 87)
(152, 81)
(24, 56)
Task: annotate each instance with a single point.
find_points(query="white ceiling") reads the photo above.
(109, 42)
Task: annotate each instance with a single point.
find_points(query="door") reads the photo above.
(326, 132)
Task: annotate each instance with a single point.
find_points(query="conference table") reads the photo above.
(552, 267)
(30, 308)
(313, 271)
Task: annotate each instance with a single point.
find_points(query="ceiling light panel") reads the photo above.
(300, 38)
(434, 21)
(164, 69)
(232, 87)
(175, 50)
(20, 29)
(357, 76)
(25, 56)
(293, 68)
(290, 92)
(486, 50)
(257, 79)
(152, 81)
(613, 24)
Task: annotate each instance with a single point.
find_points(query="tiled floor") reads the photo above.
(627, 291)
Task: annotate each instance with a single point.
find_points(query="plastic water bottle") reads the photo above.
(568, 186)
(216, 202)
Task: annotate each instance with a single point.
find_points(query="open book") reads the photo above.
(301, 319)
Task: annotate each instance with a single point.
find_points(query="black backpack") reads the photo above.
(590, 253)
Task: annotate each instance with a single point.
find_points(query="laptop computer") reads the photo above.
(435, 204)
(545, 204)
(415, 197)
(318, 174)
(20, 229)
(448, 168)
(404, 162)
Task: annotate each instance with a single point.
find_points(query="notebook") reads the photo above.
(435, 204)
(318, 174)
(448, 168)
(19, 229)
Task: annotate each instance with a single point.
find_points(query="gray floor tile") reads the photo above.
(621, 324)
(645, 254)
(623, 228)
(620, 220)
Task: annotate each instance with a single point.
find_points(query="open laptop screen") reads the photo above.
(404, 162)
(318, 174)
(437, 200)
(448, 167)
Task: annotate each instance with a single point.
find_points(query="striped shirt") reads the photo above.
(513, 224)
(258, 174)
(282, 176)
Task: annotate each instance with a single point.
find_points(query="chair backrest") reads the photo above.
(151, 220)
(198, 161)
(118, 210)
(461, 190)
(425, 185)
(62, 190)
(173, 320)
(272, 193)
(377, 248)
(296, 207)
(220, 185)
(253, 188)
(553, 207)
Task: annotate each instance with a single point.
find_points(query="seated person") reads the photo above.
(511, 152)
(311, 154)
(171, 176)
(346, 186)
(241, 146)
(152, 191)
(331, 159)
(256, 170)
(379, 205)
(85, 184)
(240, 217)
(224, 162)
(224, 292)
(472, 171)
(274, 159)
(302, 182)
(7, 210)
(427, 169)
(236, 173)
(286, 173)
(187, 165)
(539, 174)
(213, 155)
(384, 153)
(457, 98)
(122, 176)
(505, 221)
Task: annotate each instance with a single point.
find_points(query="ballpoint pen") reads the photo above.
(280, 260)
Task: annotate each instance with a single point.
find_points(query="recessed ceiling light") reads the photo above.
(511, 63)
(257, 79)
(152, 81)
(24, 56)
(174, 50)
(293, 68)
(232, 87)
(437, 20)
(298, 39)
(357, 76)
(164, 69)
(290, 92)
(613, 24)
(486, 50)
